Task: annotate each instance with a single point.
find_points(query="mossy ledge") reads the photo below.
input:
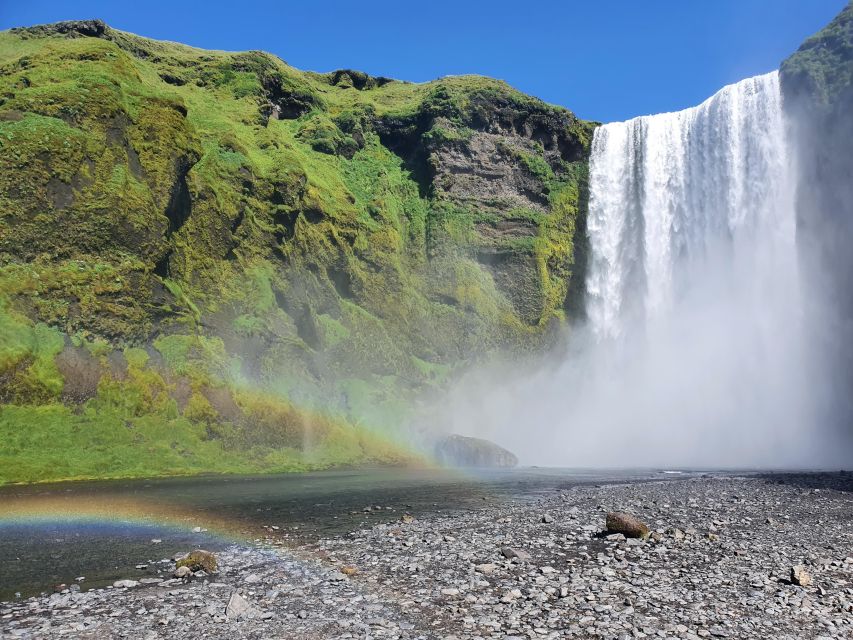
(214, 262)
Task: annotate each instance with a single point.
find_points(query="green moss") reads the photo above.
(823, 65)
(263, 246)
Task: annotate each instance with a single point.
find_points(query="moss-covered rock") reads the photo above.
(198, 560)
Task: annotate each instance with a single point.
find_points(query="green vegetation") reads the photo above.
(823, 66)
(212, 261)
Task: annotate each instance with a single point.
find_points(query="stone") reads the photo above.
(198, 560)
(237, 607)
(520, 554)
(485, 568)
(626, 524)
(182, 572)
(547, 519)
(511, 595)
(125, 584)
(800, 576)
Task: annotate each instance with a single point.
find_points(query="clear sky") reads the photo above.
(604, 59)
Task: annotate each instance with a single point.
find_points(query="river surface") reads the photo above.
(93, 533)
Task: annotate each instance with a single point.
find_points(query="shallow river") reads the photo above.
(93, 533)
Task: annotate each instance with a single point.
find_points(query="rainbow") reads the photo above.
(112, 508)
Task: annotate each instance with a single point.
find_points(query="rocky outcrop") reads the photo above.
(463, 451)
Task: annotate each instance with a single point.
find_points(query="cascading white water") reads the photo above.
(696, 352)
(670, 192)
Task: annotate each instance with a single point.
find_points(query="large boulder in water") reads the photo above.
(462, 451)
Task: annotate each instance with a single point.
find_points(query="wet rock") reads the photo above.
(125, 584)
(626, 524)
(198, 560)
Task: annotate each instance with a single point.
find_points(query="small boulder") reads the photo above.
(125, 584)
(626, 524)
(182, 572)
(237, 607)
(800, 576)
(485, 568)
(198, 560)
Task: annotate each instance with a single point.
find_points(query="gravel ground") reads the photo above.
(718, 564)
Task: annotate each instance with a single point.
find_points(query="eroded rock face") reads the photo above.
(72, 28)
(503, 160)
(462, 451)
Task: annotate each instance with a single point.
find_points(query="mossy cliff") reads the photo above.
(212, 261)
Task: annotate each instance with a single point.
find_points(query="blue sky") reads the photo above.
(605, 59)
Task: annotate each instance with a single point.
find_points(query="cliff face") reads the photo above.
(258, 258)
(817, 83)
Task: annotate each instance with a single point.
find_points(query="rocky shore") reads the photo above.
(751, 557)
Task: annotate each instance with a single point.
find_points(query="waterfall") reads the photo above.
(697, 350)
(671, 193)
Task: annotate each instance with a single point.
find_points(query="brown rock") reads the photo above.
(626, 524)
(800, 576)
(198, 560)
